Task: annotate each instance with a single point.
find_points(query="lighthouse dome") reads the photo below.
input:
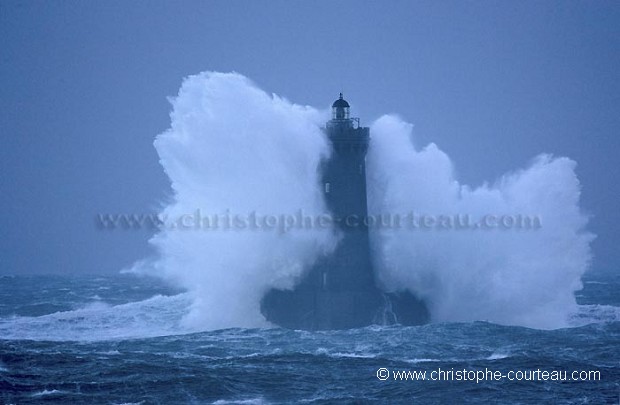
(340, 109)
(340, 103)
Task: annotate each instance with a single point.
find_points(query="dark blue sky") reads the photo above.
(84, 87)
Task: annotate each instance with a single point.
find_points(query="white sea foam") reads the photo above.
(232, 147)
(509, 276)
(423, 360)
(156, 316)
(251, 401)
(498, 356)
(45, 393)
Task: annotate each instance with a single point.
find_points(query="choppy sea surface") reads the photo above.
(118, 340)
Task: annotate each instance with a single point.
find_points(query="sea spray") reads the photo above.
(504, 274)
(233, 148)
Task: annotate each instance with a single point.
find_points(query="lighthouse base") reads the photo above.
(309, 309)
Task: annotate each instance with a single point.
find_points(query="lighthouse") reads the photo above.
(340, 290)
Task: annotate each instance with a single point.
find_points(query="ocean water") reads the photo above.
(119, 340)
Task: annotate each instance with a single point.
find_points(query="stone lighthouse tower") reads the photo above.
(344, 185)
(340, 292)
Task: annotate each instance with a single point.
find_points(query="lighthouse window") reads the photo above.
(327, 188)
